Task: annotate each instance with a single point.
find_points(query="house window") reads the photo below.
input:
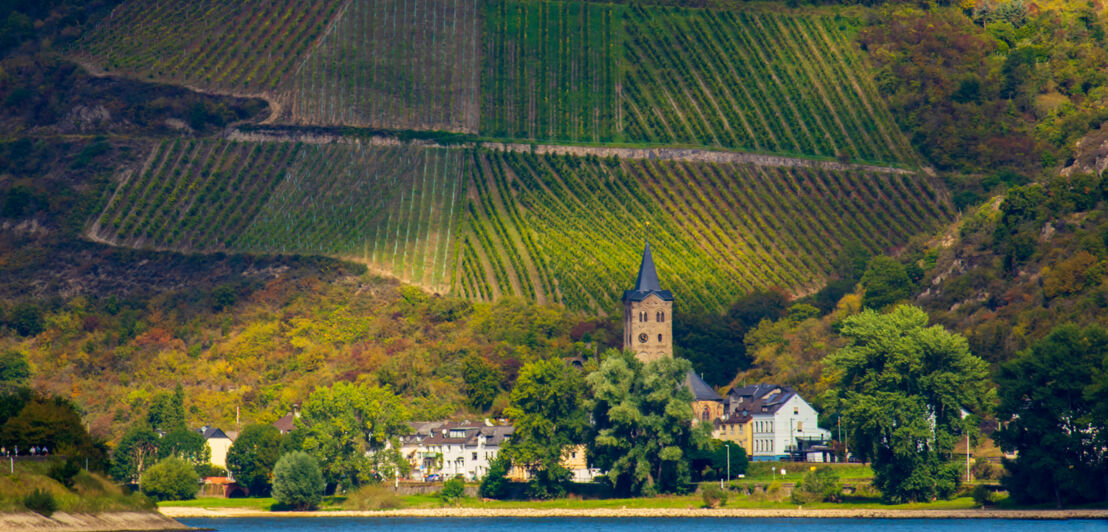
(705, 415)
(574, 454)
(659, 338)
(800, 426)
(662, 316)
(474, 456)
(796, 410)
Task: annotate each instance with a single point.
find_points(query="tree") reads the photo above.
(643, 432)
(187, 445)
(820, 484)
(716, 459)
(482, 382)
(1047, 398)
(546, 407)
(14, 369)
(902, 388)
(26, 319)
(494, 485)
(349, 428)
(298, 481)
(171, 479)
(167, 411)
(885, 282)
(136, 451)
(252, 457)
(51, 422)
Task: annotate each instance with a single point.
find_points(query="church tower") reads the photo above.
(648, 314)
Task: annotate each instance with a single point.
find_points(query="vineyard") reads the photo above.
(231, 45)
(486, 224)
(571, 229)
(549, 72)
(393, 207)
(401, 64)
(764, 82)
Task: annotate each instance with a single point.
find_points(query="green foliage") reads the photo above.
(547, 410)
(298, 481)
(494, 485)
(713, 496)
(983, 496)
(26, 319)
(482, 382)
(252, 456)
(14, 369)
(453, 489)
(54, 423)
(137, 451)
(352, 429)
(171, 479)
(41, 502)
(711, 461)
(167, 411)
(885, 282)
(903, 386)
(642, 429)
(185, 444)
(1048, 399)
(64, 470)
(820, 484)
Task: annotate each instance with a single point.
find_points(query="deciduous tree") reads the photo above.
(902, 388)
(253, 455)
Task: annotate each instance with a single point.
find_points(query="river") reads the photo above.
(409, 524)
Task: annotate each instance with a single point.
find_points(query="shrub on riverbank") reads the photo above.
(298, 481)
(171, 479)
(373, 497)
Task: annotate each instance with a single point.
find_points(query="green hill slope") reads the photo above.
(523, 69)
(486, 224)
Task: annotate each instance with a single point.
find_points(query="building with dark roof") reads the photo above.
(779, 419)
(647, 313)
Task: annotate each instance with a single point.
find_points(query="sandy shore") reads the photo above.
(176, 512)
(67, 522)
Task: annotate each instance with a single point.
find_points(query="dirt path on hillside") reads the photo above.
(662, 154)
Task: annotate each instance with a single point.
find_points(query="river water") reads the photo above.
(407, 524)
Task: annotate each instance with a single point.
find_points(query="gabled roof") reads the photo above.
(701, 390)
(647, 283)
(212, 433)
(286, 423)
(760, 398)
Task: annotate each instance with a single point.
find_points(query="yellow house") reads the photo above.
(218, 443)
(737, 428)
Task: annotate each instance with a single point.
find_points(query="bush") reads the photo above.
(64, 471)
(983, 469)
(171, 479)
(298, 481)
(495, 483)
(713, 495)
(41, 502)
(820, 484)
(373, 498)
(453, 489)
(983, 496)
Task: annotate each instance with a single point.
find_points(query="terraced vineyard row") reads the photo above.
(765, 82)
(394, 208)
(571, 229)
(549, 71)
(237, 46)
(403, 64)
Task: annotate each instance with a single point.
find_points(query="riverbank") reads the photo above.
(855, 513)
(78, 522)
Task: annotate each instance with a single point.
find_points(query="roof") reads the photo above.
(701, 390)
(212, 433)
(465, 434)
(647, 282)
(286, 423)
(760, 398)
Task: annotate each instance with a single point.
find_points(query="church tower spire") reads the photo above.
(647, 314)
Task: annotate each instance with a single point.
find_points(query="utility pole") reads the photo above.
(967, 457)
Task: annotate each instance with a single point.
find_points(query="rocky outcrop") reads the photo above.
(1090, 154)
(74, 522)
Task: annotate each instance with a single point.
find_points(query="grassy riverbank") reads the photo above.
(89, 493)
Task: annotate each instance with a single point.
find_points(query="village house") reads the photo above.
(453, 448)
(779, 419)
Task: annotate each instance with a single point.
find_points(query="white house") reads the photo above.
(451, 448)
(779, 418)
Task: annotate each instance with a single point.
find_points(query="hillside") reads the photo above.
(508, 69)
(486, 224)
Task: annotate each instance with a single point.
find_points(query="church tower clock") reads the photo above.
(648, 314)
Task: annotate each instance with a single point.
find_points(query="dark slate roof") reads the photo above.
(759, 398)
(701, 390)
(212, 432)
(647, 282)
